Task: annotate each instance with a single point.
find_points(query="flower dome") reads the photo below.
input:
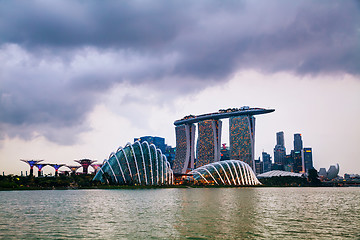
(229, 172)
(136, 164)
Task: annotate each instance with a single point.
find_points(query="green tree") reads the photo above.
(313, 177)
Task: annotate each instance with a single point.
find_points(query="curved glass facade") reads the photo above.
(229, 172)
(136, 164)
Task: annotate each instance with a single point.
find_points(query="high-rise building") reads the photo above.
(159, 142)
(242, 139)
(185, 143)
(279, 155)
(279, 150)
(307, 159)
(259, 166)
(266, 162)
(208, 142)
(288, 163)
(297, 164)
(170, 154)
(298, 144)
(280, 139)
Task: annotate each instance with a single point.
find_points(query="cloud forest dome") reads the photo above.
(136, 164)
(229, 172)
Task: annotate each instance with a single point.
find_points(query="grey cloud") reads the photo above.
(58, 57)
(212, 38)
(78, 23)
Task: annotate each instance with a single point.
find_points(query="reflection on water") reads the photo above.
(220, 212)
(205, 213)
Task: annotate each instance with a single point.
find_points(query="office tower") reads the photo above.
(297, 165)
(298, 144)
(159, 142)
(242, 139)
(185, 141)
(266, 162)
(279, 150)
(307, 159)
(208, 142)
(170, 154)
(288, 163)
(280, 139)
(279, 155)
(259, 166)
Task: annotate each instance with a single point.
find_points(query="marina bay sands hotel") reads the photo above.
(242, 138)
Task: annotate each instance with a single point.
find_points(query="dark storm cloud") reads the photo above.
(103, 24)
(58, 57)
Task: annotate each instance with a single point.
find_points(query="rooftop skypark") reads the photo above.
(223, 113)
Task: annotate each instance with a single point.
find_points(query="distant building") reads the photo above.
(170, 154)
(224, 153)
(280, 150)
(298, 144)
(159, 142)
(266, 162)
(280, 140)
(259, 168)
(307, 159)
(208, 142)
(297, 165)
(275, 166)
(348, 176)
(279, 155)
(288, 168)
(242, 139)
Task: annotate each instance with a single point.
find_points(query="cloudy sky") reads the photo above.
(80, 78)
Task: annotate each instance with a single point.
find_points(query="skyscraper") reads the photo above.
(298, 144)
(259, 166)
(297, 161)
(242, 139)
(266, 162)
(280, 150)
(159, 142)
(307, 159)
(280, 139)
(208, 142)
(184, 155)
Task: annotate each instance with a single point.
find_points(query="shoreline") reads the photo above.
(163, 187)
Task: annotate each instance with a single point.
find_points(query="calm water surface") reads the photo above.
(206, 213)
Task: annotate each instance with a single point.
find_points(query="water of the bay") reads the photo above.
(191, 213)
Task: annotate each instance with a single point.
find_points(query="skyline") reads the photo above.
(78, 79)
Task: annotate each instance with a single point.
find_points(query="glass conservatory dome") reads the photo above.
(136, 164)
(229, 172)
